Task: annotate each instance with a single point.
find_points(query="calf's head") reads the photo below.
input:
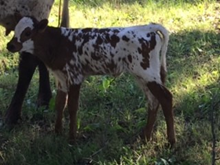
(25, 31)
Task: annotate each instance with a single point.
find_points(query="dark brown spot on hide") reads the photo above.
(111, 66)
(116, 31)
(85, 38)
(125, 38)
(86, 30)
(2, 3)
(73, 44)
(145, 63)
(163, 95)
(130, 58)
(114, 40)
(145, 49)
(102, 30)
(99, 40)
(153, 41)
(55, 50)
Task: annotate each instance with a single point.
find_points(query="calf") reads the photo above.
(73, 54)
(40, 9)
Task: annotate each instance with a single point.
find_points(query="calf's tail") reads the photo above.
(164, 35)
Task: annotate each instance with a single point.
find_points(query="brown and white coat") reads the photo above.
(73, 54)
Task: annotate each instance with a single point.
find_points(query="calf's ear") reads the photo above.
(42, 25)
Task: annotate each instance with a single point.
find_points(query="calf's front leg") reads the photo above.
(60, 103)
(44, 94)
(73, 103)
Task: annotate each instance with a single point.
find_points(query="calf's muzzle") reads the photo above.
(14, 46)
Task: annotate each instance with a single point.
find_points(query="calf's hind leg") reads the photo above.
(164, 97)
(153, 106)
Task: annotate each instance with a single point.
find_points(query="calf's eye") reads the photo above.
(27, 34)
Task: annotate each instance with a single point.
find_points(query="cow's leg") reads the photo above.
(73, 103)
(60, 103)
(153, 106)
(164, 97)
(44, 94)
(27, 66)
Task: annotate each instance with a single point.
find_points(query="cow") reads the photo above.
(27, 63)
(73, 54)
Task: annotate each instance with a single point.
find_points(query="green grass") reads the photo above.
(112, 111)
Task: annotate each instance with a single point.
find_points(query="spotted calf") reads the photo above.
(73, 54)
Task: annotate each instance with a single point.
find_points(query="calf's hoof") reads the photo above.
(145, 135)
(72, 141)
(172, 142)
(58, 130)
(72, 138)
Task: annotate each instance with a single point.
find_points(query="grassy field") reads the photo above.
(112, 111)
